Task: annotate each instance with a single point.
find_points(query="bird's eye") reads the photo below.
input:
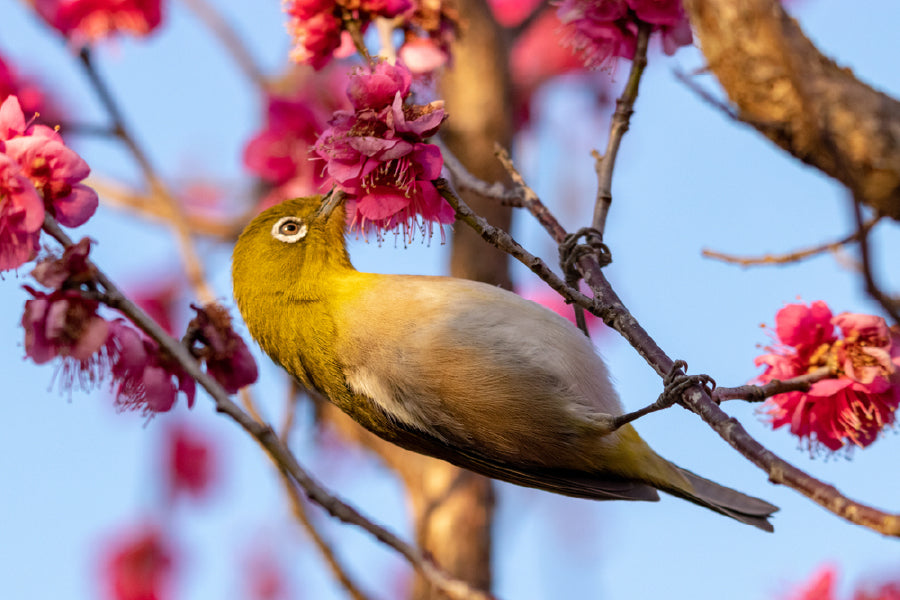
(289, 229)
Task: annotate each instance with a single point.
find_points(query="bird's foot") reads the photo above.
(677, 382)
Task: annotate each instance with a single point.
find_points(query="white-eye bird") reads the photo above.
(456, 369)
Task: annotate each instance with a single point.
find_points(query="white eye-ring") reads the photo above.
(289, 229)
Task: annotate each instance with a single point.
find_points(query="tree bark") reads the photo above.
(800, 99)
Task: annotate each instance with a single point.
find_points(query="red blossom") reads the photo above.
(280, 152)
(144, 377)
(228, 360)
(86, 21)
(318, 26)
(63, 323)
(139, 566)
(377, 155)
(861, 399)
(606, 29)
(189, 465)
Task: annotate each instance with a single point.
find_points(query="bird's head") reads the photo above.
(293, 243)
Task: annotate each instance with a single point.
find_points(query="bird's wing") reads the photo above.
(447, 357)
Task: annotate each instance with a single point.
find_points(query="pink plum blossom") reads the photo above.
(377, 154)
(317, 25)
(21, 216)
(228, 359)
(55, 171)
(861, 399)
(62, 323)
(602, 30)
(145, 379)
(86, 21)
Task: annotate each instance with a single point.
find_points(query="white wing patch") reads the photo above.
(365, 382)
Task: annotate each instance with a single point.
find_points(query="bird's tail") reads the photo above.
(723, 500)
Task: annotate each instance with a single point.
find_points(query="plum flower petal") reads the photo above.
(854, 406)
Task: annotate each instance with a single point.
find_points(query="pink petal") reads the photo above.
(381, 203)
(91, 340)
(12, 120)
(76, 208)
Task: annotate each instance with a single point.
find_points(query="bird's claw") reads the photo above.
(677, 382)
(570, 251)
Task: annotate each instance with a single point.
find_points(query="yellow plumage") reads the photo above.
(452, 368)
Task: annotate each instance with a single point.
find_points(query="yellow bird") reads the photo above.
(460, 370)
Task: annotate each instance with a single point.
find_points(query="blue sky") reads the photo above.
(75, 472)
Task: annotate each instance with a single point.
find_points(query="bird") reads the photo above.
(455, 369)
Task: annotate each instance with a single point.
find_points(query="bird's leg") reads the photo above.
(570, 252)
(676, 383)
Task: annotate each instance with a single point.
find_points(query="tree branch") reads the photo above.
(796, 255)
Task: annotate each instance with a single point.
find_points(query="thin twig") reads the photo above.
(890, 304)
(503, 240)
(464, 180)
(230, 39)
(758, 393)
(726, 109)
(266, 437)
(354, 27)
(619, 125)
(790, 257)
(179, 225)
(147, 206)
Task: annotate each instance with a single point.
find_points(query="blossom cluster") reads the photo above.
(376, 153)
(317, 25)
(63, 323)
(85, 21)
(320, 29)
(38, 174)
(860, 351)
(602, 30)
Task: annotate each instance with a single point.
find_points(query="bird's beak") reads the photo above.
(329, 203)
